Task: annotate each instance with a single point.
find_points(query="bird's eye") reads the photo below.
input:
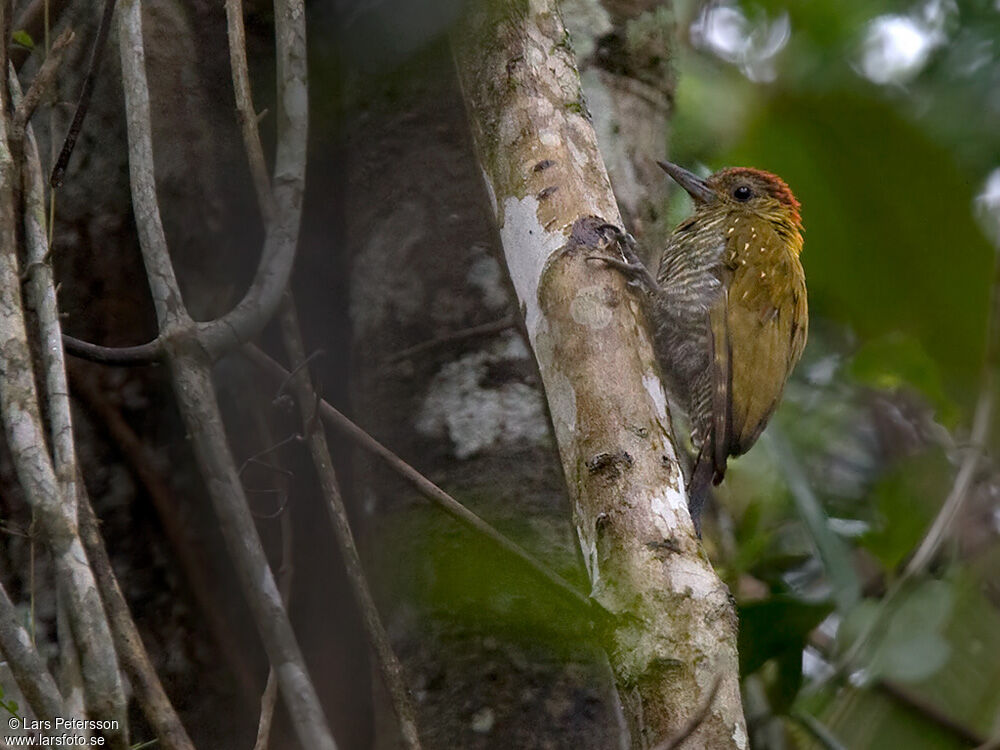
(742, 193)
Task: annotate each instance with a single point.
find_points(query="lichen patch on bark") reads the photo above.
(527, 246)
(463, 407)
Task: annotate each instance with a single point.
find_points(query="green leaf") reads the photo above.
(914, 656)
(907, 644)
(23, 38)
(771, 627)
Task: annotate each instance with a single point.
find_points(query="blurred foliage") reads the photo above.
(887, 162)
(441, 568)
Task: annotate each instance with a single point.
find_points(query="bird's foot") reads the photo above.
(632, 268)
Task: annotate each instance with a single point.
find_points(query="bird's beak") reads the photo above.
(696, 187)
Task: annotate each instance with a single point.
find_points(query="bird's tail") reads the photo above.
(704, 474)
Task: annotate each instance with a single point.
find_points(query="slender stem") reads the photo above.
(432, 492)
(260, 302)
(41, 296)
(269, 699)
(59, 170)
(486, 329)
(190, 371)
(246, 111)
(170, 311)
(42, 83)
(149, 692)
(305, 394)
(123, 356)
(982, 425)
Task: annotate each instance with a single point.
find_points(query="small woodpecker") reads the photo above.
(728, 307)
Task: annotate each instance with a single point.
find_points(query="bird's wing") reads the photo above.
(722, 379)
(767, 324)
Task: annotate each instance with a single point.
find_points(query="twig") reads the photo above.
(59, 170)
(27, 666)
(982, 424)
(432, 492)
(246, 111)
(41, 295)
(305, 394)
(486, 329)
(243, 322)
(694, 722)
(34, 19)
(41, 83)
(153, 700)
(122, 356)
(269, 698)
(190, 364)
(818, 731)
(192, 560)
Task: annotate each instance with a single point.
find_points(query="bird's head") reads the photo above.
(741, 189)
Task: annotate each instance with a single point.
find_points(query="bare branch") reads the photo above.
(36, 18)
(269, 698)
(432, 492)
(121, 356)
(391, 669)
(170, 311)
(59, 170)
(190, 364)
(260, 302)
(156, 706)
(41, 83)
(245, 110)
(486, 329)
(41, 295)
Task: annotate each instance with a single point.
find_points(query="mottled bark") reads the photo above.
(676, 631)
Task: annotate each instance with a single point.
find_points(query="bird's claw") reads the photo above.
(619, 236)
(632, 268)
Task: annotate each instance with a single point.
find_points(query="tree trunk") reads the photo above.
(674, 638)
